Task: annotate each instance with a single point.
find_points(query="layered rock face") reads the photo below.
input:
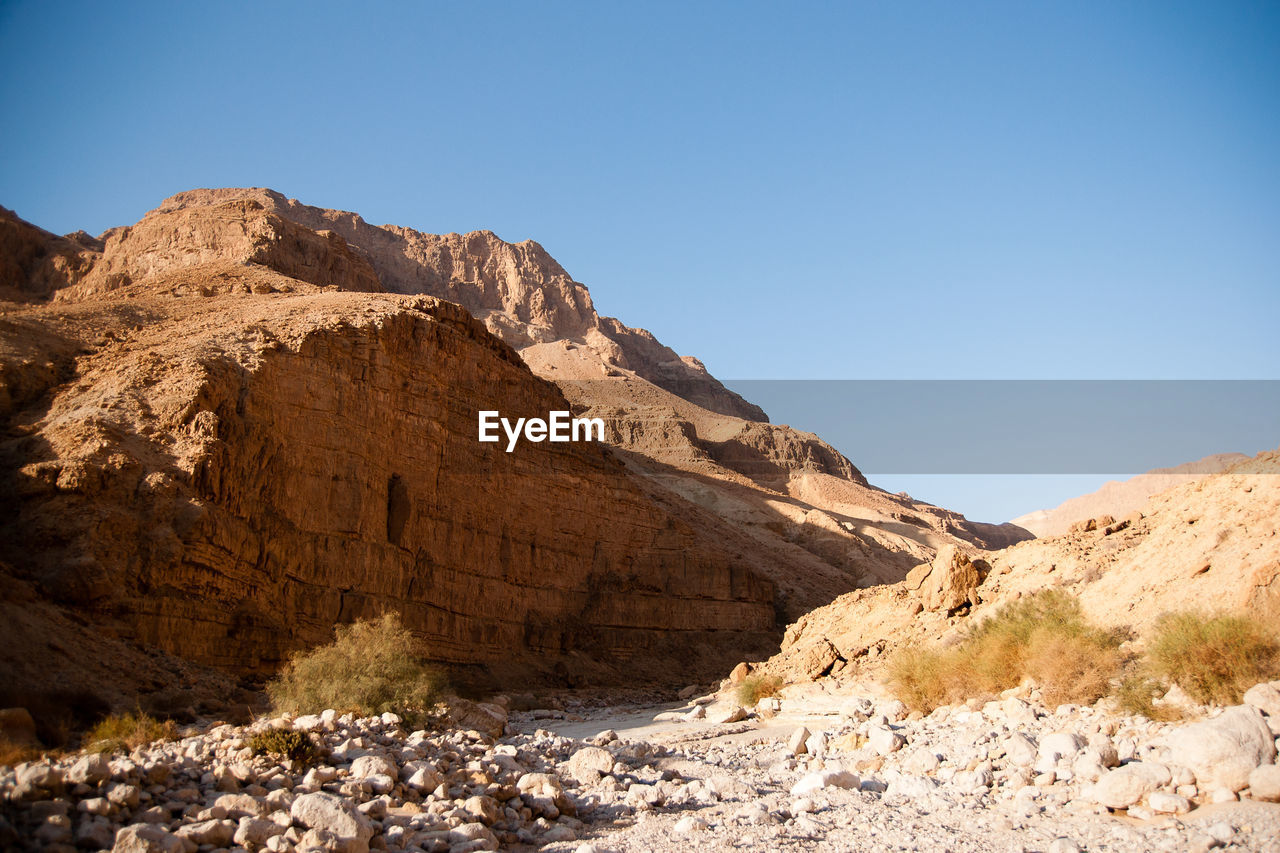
(244, 419)
(816, 527)
(223, 461)
(518, 290)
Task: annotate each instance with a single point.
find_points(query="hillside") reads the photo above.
(1209, 544)
(227, 428)
(1119, 498)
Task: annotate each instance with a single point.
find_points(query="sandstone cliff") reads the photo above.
(222, 461)
(824, 529)
(244, 419)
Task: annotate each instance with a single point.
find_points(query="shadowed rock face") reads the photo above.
(239, 421)
(223, 461)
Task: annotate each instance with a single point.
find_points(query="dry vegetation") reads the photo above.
(1215, 659)
(128, 731)
(1044, 637)
(371, 667)
(757, 687)
(15, 753)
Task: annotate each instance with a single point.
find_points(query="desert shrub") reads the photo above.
(1043, 636)
(1213, 658)
(1137, 694)
(926, 678)
(285, 743)
(371, 667)
(128, 731)
(15, 753)
(756, 687)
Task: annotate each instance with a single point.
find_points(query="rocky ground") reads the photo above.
(809, 771)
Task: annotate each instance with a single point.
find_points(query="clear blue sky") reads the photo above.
(845, 190)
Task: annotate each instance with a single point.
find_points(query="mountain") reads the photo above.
(243, 420)
(1118, 499)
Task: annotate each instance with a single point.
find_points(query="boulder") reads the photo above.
(148, 838)
(1223, 751)
(18, 728)
(1162, 803)
(589, 764)
(374, 765)
(1264, 783)
(1126, 786)
(884, 741)
(334, 815)
(1020, 750)
(89, 770)
(1265, 697)
(796, 743)
(816, 660)
(484, 809)
(215, 833)
(814, 782)
(946, 584)
(727, 714)
(480, 716)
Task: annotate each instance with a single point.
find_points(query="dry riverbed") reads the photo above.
(839, 770)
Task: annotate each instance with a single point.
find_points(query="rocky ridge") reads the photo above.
(224, 403)
(223, 461)
(1119, 499)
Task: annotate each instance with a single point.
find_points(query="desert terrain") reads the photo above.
(243, 421)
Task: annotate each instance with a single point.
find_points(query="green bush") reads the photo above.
(1043, 636)
(756, 687)
(286, 743)
(128, 731)
(1213, 658)
(371, 667)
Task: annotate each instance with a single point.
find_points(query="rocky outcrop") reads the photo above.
(34, 264)
(229, 491)
(947, 584)
(216, 458)
(247, 400)
(1207, 545)
(518, 290)
(239, 230)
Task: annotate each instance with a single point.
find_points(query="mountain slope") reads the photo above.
(1118, 499)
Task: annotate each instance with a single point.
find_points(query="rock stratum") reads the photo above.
(243, 419)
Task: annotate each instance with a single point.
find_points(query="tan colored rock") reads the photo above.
(946, 584)
(1123, 499)
(1264, 783)
(1265, 697)
(235, 356)
(1127, 785)
(590, 763)
(1224, 750)
(325, 812)
(18, 728)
